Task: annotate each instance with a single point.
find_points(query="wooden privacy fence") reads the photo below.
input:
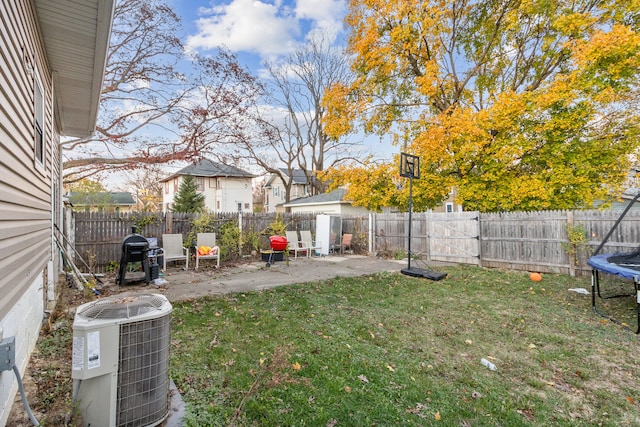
(528, 241)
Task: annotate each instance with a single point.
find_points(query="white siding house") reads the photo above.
(225, 188)
(51, 71)
(275, 191)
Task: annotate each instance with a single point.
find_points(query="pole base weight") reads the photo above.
(420, 272)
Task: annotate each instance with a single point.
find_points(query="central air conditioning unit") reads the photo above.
(120, 362)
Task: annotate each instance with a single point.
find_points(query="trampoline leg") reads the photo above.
(594, 278)
(638, 307)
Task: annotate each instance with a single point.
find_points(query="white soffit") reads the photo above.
(76, 38)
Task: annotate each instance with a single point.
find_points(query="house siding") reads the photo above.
(223, 197)
(25, 185)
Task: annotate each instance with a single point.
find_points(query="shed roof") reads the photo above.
(335, 196)
(121, 198)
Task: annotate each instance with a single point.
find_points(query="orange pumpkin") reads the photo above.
(536, 277)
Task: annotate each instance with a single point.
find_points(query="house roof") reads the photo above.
(122, 198)
(335, 196)
(299, 177)
(76, 38)
(208, 168)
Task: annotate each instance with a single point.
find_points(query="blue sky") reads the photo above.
(256, 30)
(264, 30)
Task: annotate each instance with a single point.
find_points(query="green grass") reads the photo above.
(395, 350)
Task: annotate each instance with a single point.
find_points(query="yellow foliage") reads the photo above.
(523, 105)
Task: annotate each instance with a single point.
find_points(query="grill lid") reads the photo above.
(122, 307)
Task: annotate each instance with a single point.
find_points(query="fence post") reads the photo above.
(371, 233)
(428, 223)
(240, 228)
(572, 253)
(169, 222)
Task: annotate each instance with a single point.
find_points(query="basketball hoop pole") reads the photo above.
(410, 210)
(410, 168)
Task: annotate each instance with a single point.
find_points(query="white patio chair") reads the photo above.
(173, 250)
(305, 237)
(209, 240)
(295, 245)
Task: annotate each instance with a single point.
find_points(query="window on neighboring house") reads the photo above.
(39, 123)
(276, 192)
(449, 207)
(218, 204)
(166, 187)
(175, 185)
(213, 182)
(239, 207)
(246, 206)
(200, 183)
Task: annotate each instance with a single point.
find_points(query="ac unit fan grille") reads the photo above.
(124, 308)
(143, 373)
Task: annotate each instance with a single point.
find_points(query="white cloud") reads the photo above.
(245, 25)
(326, 15)
(264, 27)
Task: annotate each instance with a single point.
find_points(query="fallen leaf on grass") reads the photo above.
(469, 342)
(296, 366)
(347, 389)
(332, 423)
(363, 378)
(437, 416)
(389, 367)
(630, 400)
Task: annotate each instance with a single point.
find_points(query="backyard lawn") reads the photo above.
(395, 350)
(383, 350)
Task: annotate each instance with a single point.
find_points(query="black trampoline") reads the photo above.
(622, 264)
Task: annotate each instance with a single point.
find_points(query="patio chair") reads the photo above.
(173, 250)
(207, 240)
(305, 237)
(346, 243)
(295, 245)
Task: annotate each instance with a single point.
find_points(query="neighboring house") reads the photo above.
(631, 191)
(225, 188)
(275, 190)
(103, 202)
(51, 68)
(326, 203)
(449, 205)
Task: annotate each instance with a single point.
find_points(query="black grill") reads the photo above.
(135, 248)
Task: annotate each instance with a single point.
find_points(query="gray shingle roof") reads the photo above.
(109, 198)
(210, 168)
(299, 177)
(331, 197)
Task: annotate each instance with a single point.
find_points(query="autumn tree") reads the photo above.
(88, 192)
(290, 135)
(159, 105)
(521, 105)
(188, 200)
(147, 186)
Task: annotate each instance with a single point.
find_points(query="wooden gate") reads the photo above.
(454, 237)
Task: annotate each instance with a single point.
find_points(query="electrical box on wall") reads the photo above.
(7, 353)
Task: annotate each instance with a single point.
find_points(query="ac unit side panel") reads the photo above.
(97, 400)
(95, 349)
